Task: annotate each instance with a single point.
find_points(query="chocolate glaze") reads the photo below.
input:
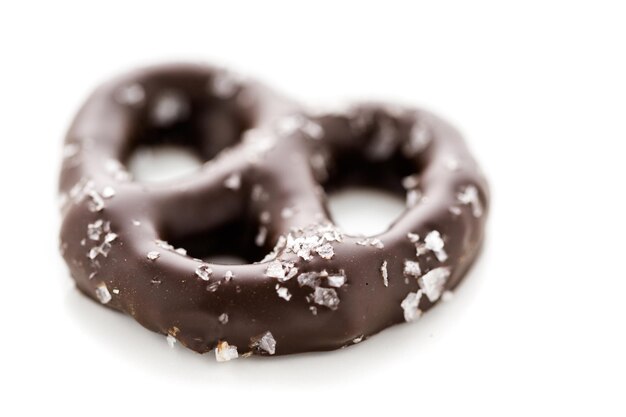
(269, 164)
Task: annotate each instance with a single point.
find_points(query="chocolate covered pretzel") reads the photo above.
(142, 248)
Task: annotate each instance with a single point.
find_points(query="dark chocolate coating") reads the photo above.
(270, 187)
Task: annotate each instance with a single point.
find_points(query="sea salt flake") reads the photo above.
(434, 243)
(264, 342)
(309, 279)
(131, 95)
(287, 213)
(95, 229)
(228, 275)
(412, 268)
(384, 273)
(283, 292)
(233, 182)
(419, 139)
(374, 242)
(455, 210)
(108, 192)
(326, 297)
(259, 240)
(169, 107)
(181, 251)
(96, 202)
(204, 272)
(312, 130)
(225, 84)
(336, 280)
(275, 270)
(171, 340)
(410, 305)
(163, 244)
(469, 196)
(326, 251)
(410, 182)
(413, 237)
(212, 287)
(153, 255)
(70, 150)
(433, 282)
(115, 291)
(110, 237)
(358, 339)
(102, 293)
(223, 318)
(413, 197)
(225, 352)
(377, 243)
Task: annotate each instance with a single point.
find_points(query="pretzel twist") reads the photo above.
(262, 189)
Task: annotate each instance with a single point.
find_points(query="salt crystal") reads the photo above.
(223, 318)
(169, 107)
(469, 195)
(413, 197)
(283, 293)
(102, 293)
(225, 352)
(434, 242)
(275, 270)
(225, 84)
(264, 342)
(410, 182)
(108, 192)
(325, 251)
(413, 237)
(410, 305)
(287, 213)
(233, 182)
(171, 340)
(259, 240)
(336, 280)
(326, 297)
(204, 272)
(419, 138)
(412, 268)
(131, 95)
(433, 282)
(153, 255)
(455, 210)
(309, 279)
(384, 273)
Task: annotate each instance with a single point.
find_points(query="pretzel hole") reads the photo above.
(366, 197)
(228, 244)
(162, 163)
(180, 131)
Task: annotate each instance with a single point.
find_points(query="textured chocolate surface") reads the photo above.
(308, 286)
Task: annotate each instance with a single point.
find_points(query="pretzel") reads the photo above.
(307, 285)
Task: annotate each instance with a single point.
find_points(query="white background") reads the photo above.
(538, 88)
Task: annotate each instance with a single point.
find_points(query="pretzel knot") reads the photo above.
(139, 247)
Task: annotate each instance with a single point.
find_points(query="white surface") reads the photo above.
(539, 89)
